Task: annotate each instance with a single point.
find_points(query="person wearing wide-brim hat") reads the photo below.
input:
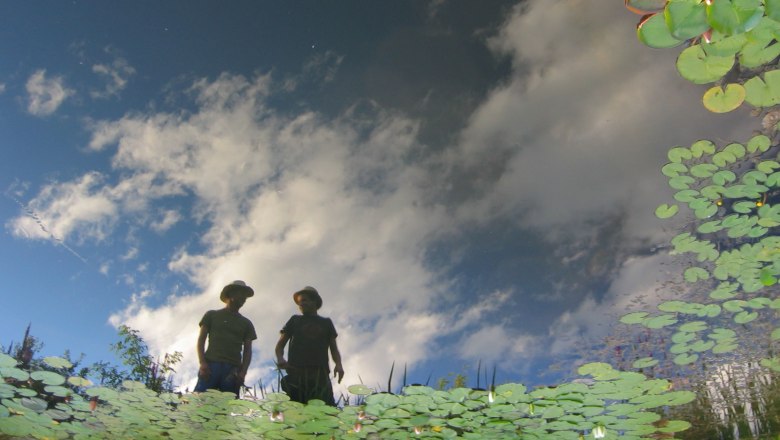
(224, 364)
(311, 336)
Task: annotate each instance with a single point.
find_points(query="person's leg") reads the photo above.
(210, 382)
(229, 382)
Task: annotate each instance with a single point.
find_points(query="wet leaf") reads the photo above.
(723, 100)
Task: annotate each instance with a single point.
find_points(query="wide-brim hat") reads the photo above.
(311, 291)
(236, 286)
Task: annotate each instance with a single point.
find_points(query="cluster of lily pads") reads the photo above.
(603, 403)
(725, 37)
(732, 191)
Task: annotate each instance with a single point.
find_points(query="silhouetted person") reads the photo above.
(310, 337)
(224, 364)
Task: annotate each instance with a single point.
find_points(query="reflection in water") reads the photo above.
(737, 401)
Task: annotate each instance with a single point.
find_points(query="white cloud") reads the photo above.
(116, 76)
(584, 124)
(169, 218)
(2, 88)
(45, 95)
(290, 202)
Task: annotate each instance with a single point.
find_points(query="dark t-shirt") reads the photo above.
(310, 338)
(227, 333)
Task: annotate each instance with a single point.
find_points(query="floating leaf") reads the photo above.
(57, 362)
(767, 166)
(686, 195)
(710, 227)
(724, 347)
(699, 68)
(723, 100)
(359, 390)
(701, 147)
(763, 92)
(673, 169)
(686, 18)
(744, 317)
(681, 182)
(685, 359)
(693, 326)
(659, 321)
(665, 211)
(771, 363)
(645, 362)
(653, 32)
(694, 274)
(633, 318)
(759, 143)
(734, 17)
(7, 361)
(679, 154)
(723, 177)
(48, 377)
(675, 426)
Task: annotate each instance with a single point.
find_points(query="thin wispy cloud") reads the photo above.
(45, 95)
(115, 76)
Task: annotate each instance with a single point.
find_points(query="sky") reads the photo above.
(465, 183)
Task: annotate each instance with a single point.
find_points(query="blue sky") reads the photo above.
(463, 181)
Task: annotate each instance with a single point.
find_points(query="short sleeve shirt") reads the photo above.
(227, 333)
(310, 338)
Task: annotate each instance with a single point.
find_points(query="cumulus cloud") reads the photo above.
(45, 95)
(582, 127)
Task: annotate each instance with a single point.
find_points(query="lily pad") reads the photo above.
(699, 68)
(734, 16)
(686, 18)
(654, 33)
(665, 211)
(723, 100)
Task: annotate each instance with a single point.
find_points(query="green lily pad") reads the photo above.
(634, 318)
(57, 362)
(720, 100)
(679, 154)
(744, 317)
(645, 362)
(763, 92)
(654, 33)
(771, 363)
(686, 359)
(699, 68)
(686, 18)
(694, 274)
(665, 211)
(759, 143)
(660, 321)
(359, 390)
(48, 377)
(734, 16)
(772, 9)
(673, 169)
(7, 361)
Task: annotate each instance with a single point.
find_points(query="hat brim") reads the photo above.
(246, 290)
(313, 293)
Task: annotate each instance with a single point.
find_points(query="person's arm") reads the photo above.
(246, 359)
(281, 362)
(338, 370)
(204, 370)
